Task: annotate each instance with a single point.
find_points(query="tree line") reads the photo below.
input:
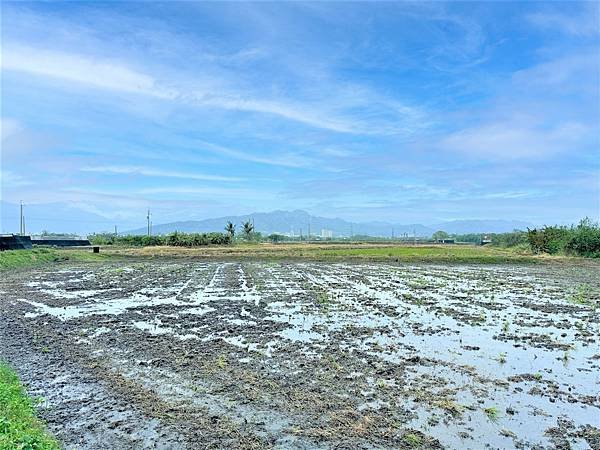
(176, 239)
(582, 239)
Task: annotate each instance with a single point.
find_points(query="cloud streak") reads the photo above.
(151, 172)
(113, 75)
(98, 73)
(577, 23)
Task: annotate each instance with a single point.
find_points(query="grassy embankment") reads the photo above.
(19, 427)
(11, 259)
(341, 252)
(315, 251)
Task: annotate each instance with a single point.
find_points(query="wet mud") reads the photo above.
(308, 355)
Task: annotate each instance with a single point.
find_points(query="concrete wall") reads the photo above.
(14, 242)
(61, 242)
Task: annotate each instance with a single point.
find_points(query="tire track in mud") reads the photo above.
(81, 409)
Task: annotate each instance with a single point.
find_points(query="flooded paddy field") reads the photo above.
(308, 355)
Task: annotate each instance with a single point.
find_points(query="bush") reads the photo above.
(512, 239)
(175, 239)
(473, 238)
(196, 239)
(550, 240)
(275, 238)
(584, 239)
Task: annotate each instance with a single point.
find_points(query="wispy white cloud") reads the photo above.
(581, 20)
(12, 179)
(208, 192)
(283, 159)
(153, 172)
(354, 110)
(99, 73)
(300, 113)
(561, 72)
(513, 140)
(547, 109)
(9, 127)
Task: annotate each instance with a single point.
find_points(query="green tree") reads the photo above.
(275, 238)
(440, 235)
(248, 229)
(230, 229)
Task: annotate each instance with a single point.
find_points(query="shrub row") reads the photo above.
(581, 240)
(175, 239)
(511, 239)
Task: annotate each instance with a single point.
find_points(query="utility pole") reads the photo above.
(415, 236)
(116, 234)
(22, 224)
(300, 234)
(308, 238)
(148, 219)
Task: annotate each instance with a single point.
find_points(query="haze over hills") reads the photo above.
(60, 217)
(55, 217)
(298, 222)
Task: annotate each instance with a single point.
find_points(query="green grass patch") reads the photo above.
(431, 253)
(12, 259)
(413, 440)
(582, 296)
(20, 429)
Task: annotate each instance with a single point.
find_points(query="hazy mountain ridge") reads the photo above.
(298, 221)
(60, 217)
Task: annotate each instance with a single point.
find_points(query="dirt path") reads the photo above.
(180, 354)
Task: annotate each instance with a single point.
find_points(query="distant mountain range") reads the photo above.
(298, 222)
(61, 217)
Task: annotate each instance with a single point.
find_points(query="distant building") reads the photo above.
(486, 240)
(445, 241)
(326, 234)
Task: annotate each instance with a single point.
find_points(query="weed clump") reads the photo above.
(492, 413)
(413, 440)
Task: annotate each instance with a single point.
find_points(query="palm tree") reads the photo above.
(230, 228)
(248, 228)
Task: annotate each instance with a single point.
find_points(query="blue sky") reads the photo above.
(407, 112)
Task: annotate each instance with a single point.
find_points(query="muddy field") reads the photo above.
(209, 354)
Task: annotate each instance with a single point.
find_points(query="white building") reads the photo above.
(326, 234)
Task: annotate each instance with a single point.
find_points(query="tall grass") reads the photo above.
(23, 258)
(11, 259)
(19, 427)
